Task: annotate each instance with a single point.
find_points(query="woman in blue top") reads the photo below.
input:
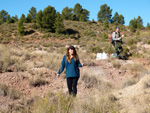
(71, 63)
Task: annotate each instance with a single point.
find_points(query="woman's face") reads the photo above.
(71, 51)
(117, 30)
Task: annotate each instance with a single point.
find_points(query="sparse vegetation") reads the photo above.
(10, 92)
(37, 82)
(57, 103)
(116, 64)
(41, 48)
(128, 82)
(103, 103)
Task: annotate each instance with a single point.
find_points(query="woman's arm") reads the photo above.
(61, 69)
(80, 64)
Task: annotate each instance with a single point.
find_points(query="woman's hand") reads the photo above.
(58, 75)
(122, 36)
(82, 64)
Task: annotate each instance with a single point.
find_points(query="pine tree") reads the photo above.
(23, 18)
(1, 22)
(82, 18)
(121, 20)
(104, 13)
(136, 24)
(59, 26)
(21, 27)
(8, 19)
(148, 26)
(32, 13)
(67, 13)
(39, 17)
(29, 18)
(16, 18)
(48, 19)
(12, 19)
(3, 16)
(84, 15)
(106, 24)
(133, 25)
(116, 18)
(139, 22)
(77, 11)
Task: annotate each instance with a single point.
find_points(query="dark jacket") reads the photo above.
(72, 69)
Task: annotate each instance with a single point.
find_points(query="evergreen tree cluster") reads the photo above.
(118, 19)
(148, 26)
(76, 14)
(136, 23)
(105, 14)
(5, 17)
(52, 21)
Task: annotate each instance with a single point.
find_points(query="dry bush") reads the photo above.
(147, 83)
(37, 72)
(27, 56)
(93, 81)
(87, 58)
(58, 103)
(52, 61)
(129, 82)
(14, 94)
(116, 64)
(135, 69)
(3, 90)
(90, 81)
(16, 52)
(102, 103)
(37, 82)
(20, 65)
(11, 57)
(10, 92)
(4, 58)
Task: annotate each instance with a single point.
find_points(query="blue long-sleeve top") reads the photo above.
(72, 69)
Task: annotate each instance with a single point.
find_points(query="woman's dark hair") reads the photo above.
(75, 55)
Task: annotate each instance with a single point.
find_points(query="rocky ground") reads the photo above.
(102, 70)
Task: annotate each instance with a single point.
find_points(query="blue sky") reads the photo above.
(128, 8)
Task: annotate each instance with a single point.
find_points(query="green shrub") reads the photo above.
(95, 49)
(131, 41)
(104, 37)
(46, 35)
(89, 33)
(108, 48)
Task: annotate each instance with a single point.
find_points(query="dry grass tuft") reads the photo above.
(37, 82)
(10, 92)
(92, 81)
(116, 64)
(58, 103)
(129, 82)
(103, 103)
